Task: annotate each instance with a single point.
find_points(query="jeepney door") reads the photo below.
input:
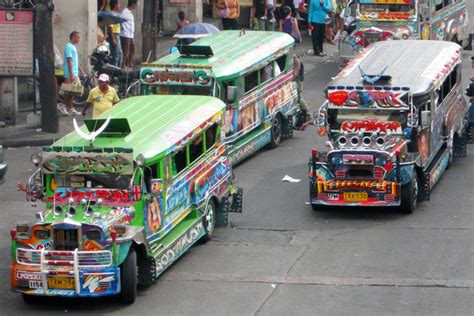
(437, 120)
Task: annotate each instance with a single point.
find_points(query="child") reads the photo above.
(269, 11)
(182, 21)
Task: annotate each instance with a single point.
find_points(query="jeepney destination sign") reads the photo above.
(176, 76)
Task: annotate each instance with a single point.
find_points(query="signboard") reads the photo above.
(16, 43)
(367, 99)
(176, 76)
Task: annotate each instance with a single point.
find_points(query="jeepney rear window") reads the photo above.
(337, 117)
(106, 181)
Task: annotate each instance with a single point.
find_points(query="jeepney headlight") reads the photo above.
(36, 159)
(42, 234)
(93, 234)
(380, 161)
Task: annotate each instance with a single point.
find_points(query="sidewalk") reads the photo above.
(22, 136)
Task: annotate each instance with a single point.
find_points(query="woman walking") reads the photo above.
(289, 25)
(229, 11)
(318, 10)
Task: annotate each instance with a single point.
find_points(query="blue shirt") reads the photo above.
(71, 52)
(317, 13)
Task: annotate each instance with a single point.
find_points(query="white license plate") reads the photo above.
(35, 284)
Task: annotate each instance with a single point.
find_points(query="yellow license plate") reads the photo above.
(60, 283)
(356, 196)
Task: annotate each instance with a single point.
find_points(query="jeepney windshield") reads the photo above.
(91, 181)
(179, 90)
(337, 117)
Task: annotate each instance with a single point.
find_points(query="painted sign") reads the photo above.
(381, 186)
(83, 163)
(367, 99)
(62, 195)
(176, 76)
(386, 1)
(16, 43)
(371, 125)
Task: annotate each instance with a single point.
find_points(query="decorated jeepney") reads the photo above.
(251, 71)
(395, 118)
(385, 20)
(124, 197)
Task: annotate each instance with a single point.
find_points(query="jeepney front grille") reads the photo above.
(65, 239)
(33, 257)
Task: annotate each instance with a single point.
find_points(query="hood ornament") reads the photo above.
(92, 135)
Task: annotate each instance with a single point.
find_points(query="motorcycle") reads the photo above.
(125, 82)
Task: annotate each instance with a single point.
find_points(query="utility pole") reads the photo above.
(45, 55)
(149, 30)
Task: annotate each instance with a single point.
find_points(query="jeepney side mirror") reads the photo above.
(425, 118)
(231, 92)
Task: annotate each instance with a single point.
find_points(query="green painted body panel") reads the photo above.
(157, 123)
(234, 51)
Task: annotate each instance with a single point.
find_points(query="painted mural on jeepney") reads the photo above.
(153, 214)
(367, 99)
(261, 105)
(71, 163)
(108, 196)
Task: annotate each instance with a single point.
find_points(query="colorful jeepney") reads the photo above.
(383, 20)
(125, 196)
(252, 72)
(395, 119)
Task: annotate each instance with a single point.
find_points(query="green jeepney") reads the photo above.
(252, 72)
(125, 196)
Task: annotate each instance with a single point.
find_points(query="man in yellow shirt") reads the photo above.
(103, 97)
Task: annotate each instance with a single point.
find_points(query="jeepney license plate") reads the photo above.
(60, 283)
(356, 196)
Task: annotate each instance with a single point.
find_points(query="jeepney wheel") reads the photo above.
(129, 278)
(277, 131)
(209, 221)
(409, 196)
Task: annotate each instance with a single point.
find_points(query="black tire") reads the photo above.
(409, 196)
(209, 221)
(129, 278)
(29, 299)
(277, 131)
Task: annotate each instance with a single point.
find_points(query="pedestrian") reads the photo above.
(103, 98)
(101, 38)
(258, 13)
(330, 21)
(289, 25)
(114, 37)
(318, 10)
(71, 73)
(182, 21)
(127, 34)
(304, 114)
(229, 11)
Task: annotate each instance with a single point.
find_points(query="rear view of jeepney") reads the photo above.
(368, 162)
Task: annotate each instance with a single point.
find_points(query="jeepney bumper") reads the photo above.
(55, 278)
(370, 199)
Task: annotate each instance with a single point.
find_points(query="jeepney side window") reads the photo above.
(282, 63)
(266, 73)
(195, 149)
(210, 136)
(178, 162)
(150, 172)
(251, 81)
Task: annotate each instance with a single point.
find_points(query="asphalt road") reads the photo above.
(280, 257)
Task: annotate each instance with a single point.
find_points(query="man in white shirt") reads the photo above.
(127, 35)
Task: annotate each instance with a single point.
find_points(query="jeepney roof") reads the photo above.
(157, 124)
(234, 51)
(417, 65)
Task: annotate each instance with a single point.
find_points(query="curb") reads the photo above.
(17, 143)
